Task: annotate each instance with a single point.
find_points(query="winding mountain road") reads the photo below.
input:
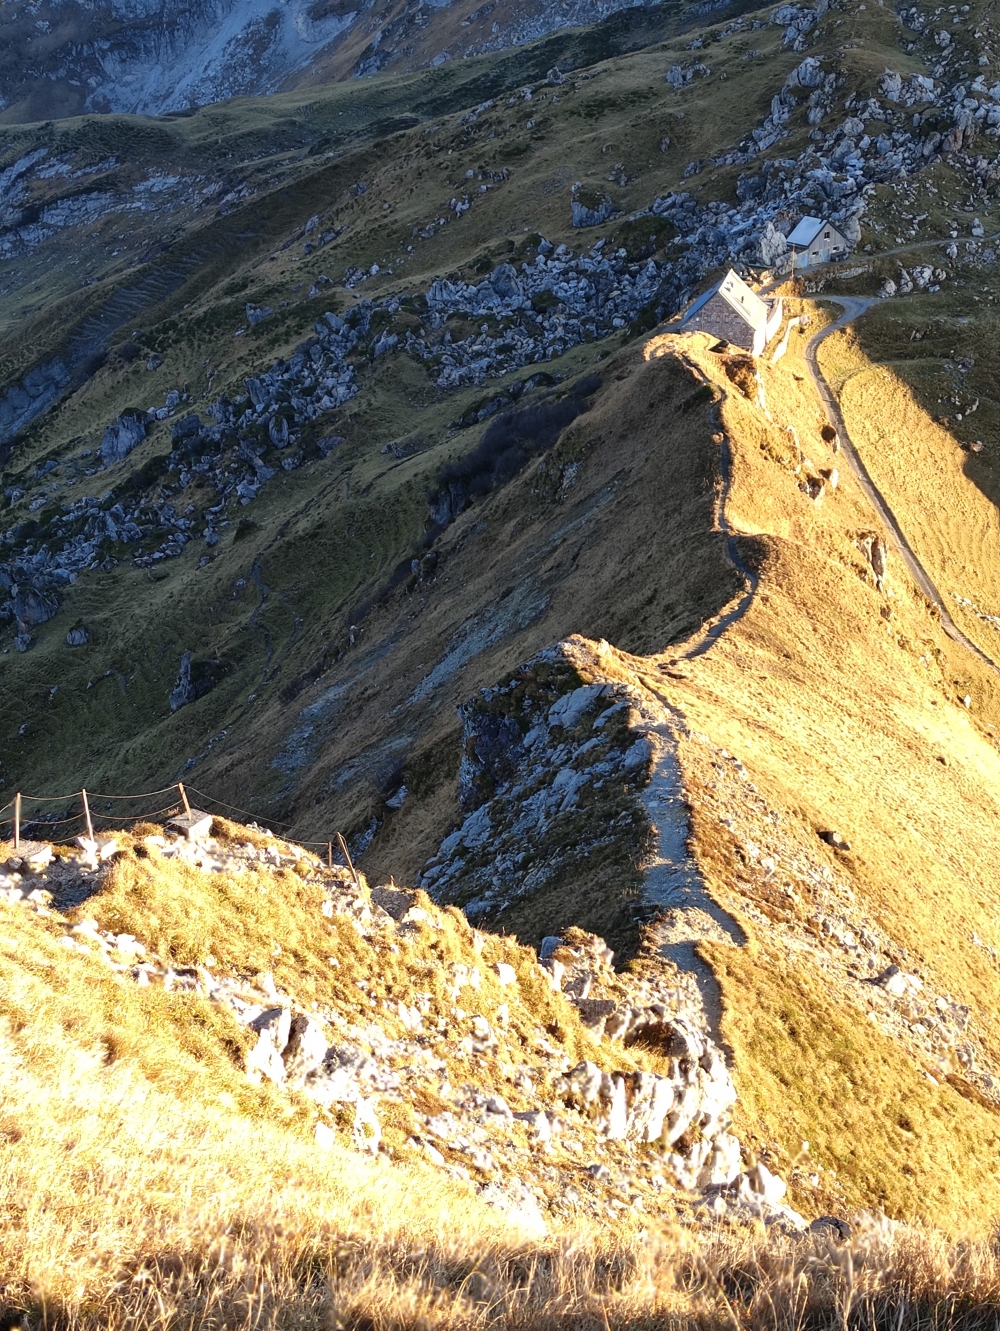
(854, 307)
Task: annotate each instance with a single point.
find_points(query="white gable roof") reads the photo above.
(735, 292)
(805, 232)
(738, 295)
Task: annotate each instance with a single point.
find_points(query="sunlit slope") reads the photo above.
(841, 702)
(943, 494)
(147, 1178)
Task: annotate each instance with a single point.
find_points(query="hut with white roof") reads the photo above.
(815, 240)
(735, 314)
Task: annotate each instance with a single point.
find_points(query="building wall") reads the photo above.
(820, 250)
(719, 318)
(774, 317)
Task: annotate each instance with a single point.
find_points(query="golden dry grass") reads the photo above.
(145, 1182)
(130, 1192)
(265, 919)
(950, 522)
(131, 1202)
(147, 1197)
(128, 1203)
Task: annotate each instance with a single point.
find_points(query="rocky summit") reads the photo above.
(499, 676)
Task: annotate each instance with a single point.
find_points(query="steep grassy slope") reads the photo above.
(932, 443)
(620, 119)
(146, 1180)
(238, 258)
(843, 704)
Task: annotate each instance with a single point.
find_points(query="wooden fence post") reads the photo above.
(184, 799)
(347, 856)
(86, 814)
(329, 854)
(17, 821)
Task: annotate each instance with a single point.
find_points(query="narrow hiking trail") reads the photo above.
(854, 307)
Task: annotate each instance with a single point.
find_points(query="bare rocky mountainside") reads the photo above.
(63, 57)
(518, 485)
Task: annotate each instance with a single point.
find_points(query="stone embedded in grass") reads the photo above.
(831, 1226)
(305, 1050)
(636, 1108)
(98, 848)
(264, 1060)
(32, 856)
(594, 1011)
(396, 902)
(32, 607)
(367, 1133)
(193, 824)
(517, 1202)
(538, 1122)
(590, 209)
(195, 678)
(835, 839)
(124, 434)
(324, 1135)
(895, 981)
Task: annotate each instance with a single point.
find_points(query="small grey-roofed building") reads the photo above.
(815, 240)
(735, 314)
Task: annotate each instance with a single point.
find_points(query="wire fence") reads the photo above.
(86, 814)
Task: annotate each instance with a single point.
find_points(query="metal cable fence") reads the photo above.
(85, 814)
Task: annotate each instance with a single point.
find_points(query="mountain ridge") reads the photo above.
(386, 494)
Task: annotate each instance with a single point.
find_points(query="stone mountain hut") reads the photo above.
(814, 240)
(735, 314)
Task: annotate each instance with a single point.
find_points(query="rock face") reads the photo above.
(773, 246)
(655, 1110)
(155, 56)
(571, 746)
(32, 607)
(159, 56)
(591, 210)
(121, 436)
(874, 549)
(36, 392)
(194, 680)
